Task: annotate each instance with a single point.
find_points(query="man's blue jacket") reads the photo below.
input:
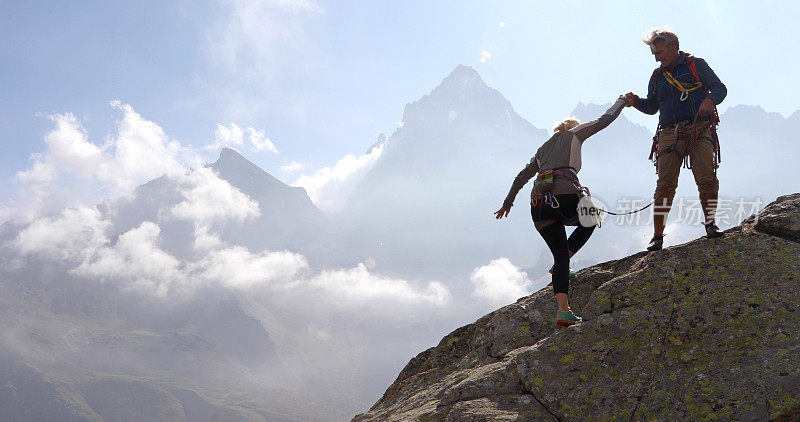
(665, 98)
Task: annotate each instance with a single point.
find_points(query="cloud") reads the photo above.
(293, 166)
(139, 152)
(68, 151)
(6, 213)
(357, 287)
(233, 136)
(227, 136)
(239, 268)
(288, 275)
(136, 261)
(329, 186)
(259, 141)
(500, 282)
(204, 239)
(257, 49)
(73, 234)
(75, 171)
(54, 179)
(251, 37)
(209, 199)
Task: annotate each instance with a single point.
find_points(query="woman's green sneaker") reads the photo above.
(567, 318)
(571, 272)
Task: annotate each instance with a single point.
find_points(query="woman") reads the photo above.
(555, 196)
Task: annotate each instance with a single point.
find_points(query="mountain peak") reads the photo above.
(460, 95)
(463, 72)
(244, 174)
(230, 158)
(462, 79)
(227, 154)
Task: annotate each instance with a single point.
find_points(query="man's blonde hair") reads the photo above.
(566, 124)
(661, 34)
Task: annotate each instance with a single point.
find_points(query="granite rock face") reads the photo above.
(779, 218)
(707, 330)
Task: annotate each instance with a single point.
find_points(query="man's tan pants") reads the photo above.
(669, 164)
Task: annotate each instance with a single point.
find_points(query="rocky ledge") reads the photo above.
(707, 330)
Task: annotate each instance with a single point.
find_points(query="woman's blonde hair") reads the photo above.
(566, 124)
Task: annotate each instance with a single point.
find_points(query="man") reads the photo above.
(685, 92)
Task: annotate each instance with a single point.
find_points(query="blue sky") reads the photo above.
(321, 79)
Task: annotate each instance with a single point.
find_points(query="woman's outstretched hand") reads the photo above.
(502, 212)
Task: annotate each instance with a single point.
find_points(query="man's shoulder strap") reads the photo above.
(692, 67)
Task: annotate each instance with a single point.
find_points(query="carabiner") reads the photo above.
(554, 202)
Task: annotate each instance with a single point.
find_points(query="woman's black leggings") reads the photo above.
(556, 237)
(550, 224)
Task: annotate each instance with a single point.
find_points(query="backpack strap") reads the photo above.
(693, 69)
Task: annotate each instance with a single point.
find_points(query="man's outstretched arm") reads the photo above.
(647, 105)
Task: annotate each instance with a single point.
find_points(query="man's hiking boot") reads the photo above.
(713, 232)
(571, 272)
(567, 318)
(656, 243)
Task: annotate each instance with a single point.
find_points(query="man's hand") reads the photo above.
(502, 212)
(629, 99)
(706, 107)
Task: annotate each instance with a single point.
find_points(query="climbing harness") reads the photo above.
(547, 197)
(551, 200)
(545, 181)
(685, 132)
